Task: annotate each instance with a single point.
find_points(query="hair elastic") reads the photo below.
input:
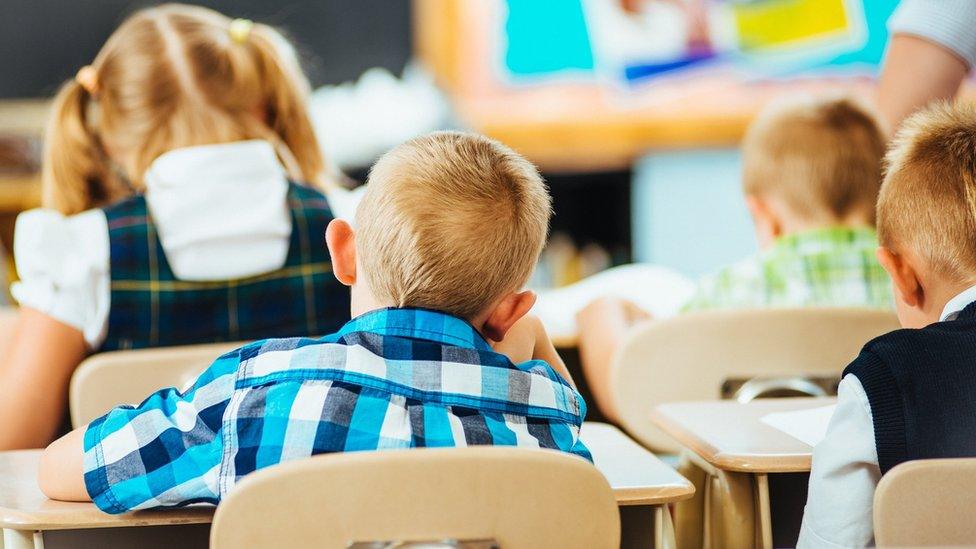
(87, 77)
(240, 29)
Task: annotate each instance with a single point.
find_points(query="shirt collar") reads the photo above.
(957, 304)
(418, 323)
(825, 238)
(250, 160)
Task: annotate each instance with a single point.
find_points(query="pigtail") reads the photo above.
(75, 172)
(286, 91)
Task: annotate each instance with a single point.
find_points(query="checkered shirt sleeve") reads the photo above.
(165, 451)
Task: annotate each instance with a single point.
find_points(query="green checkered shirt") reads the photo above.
(834, 267)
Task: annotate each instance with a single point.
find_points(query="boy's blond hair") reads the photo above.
(451, 221)
(821, 156)
(174, 76)
(928, 199)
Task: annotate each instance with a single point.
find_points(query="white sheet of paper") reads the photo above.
(658, 290)
(808, 426)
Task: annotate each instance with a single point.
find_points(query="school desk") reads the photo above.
(731, 455)
(642, 484)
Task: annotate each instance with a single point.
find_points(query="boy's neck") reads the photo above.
(363, 303)
(798, 225)
(940, 294)
(803, 227)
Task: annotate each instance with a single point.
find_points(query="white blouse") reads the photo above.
(221, 213)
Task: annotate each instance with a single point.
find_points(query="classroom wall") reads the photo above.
(44, 42)
(688, 211)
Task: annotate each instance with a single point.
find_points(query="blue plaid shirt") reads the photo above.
(392, 378)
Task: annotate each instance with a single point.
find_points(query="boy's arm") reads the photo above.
(844, 475)
(62, 470)
(178, 433)
(603, 325)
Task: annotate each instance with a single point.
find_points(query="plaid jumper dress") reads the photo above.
(151, 307)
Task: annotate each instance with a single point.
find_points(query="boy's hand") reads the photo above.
(602, 326)
(613, 310)
(528, 340)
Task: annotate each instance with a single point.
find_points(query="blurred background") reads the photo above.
(632, 109)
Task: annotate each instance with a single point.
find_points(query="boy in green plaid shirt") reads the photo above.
(811, 176)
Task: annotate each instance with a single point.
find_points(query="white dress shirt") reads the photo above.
(220, 212)
(845, 470)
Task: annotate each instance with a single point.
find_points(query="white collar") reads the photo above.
(958, 303)
(251, 159)
(220, 210)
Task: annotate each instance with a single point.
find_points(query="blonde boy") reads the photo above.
(909, 394)
(447, 234)
(811, 174)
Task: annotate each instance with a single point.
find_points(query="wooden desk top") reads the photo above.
(731, 437)
(636, 475)
(24, 507)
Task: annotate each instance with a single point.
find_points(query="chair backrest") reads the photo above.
(106, 380)
(515, 497)
(927, 503)
(690, 356)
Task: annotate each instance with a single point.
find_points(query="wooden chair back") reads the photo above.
(106, 380)
(474, 497)
(775, 352)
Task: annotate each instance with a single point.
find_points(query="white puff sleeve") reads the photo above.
(63, 266)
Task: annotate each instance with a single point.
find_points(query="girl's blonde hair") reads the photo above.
(175, 76)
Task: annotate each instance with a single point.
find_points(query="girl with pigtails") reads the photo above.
(183, 203)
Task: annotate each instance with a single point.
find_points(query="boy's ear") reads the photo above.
(768, 224)
(904, 278)
(509, 310)
(341, 240)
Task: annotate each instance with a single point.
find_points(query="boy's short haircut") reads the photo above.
(451, 221)
(928, 199)
(821, 156)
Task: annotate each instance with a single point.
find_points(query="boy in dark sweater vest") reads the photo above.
(910, 394)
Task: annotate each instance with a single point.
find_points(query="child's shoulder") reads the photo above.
(920, 344)
(276, 345)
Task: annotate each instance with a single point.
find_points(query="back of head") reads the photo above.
(451, 221)
(822, 157)
(175, 76)
(928, 199)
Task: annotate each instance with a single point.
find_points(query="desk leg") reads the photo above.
(663, 528)
(764, 519)
(22, 539)
(689, 520)
(730, 510)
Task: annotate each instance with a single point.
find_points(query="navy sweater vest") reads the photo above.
(921, 385)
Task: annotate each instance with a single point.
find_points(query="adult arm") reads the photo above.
(35, 373)
(916, 72)
(932, 48)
